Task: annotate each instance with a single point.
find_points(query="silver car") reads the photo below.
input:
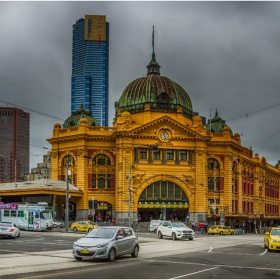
(9, 230)
(106, 242)
(58, 224)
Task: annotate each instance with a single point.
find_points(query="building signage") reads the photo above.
(157, 204)
(12, 206)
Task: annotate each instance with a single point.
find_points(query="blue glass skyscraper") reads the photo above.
(90, 66)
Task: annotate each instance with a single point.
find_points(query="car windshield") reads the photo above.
(275, 232)
(90, 223)
(106, 233)
(213, 227)
(6, 224)
(178, 225)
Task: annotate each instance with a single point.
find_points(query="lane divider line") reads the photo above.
(194, 273)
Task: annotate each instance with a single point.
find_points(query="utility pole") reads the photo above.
(67, 197)
(130, 195)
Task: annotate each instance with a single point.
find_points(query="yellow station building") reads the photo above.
(162, 155)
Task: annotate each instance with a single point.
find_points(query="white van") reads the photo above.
(154, 224)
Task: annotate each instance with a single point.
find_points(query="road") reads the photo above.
(48, 255)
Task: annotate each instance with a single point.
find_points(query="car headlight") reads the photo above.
(273, 240)
(102, 245)
(74, 244)
(179, 231)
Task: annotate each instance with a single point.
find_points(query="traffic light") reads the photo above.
(91, 204)
(214, 217)
(95, 203)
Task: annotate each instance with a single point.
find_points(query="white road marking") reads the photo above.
(194, 273)
(264, 252)
(218, 265)
(210, 250)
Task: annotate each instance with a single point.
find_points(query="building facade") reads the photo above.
(90, 66)
(42, 171)
(14, 144)
(160, 161)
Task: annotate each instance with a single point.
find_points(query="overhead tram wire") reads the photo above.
(246, 115)
(31, 110)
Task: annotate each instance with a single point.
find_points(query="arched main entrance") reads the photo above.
(163, 200)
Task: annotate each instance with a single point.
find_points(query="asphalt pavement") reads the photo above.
(49, 255)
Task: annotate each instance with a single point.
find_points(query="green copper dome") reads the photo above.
(74, 119)
(217, 124)
(159, 92)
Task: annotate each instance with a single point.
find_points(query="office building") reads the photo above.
(14, 144)
(90, 66)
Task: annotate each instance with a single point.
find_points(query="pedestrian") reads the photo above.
(243, 228)
(114, 221)
(205, 228)
(99, 216)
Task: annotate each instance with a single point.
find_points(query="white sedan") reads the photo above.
(9, 230)
(175, 230)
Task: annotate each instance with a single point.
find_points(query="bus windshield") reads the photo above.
(45, 215)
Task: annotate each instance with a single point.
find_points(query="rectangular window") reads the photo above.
(150, 191)
(177, 192)
(170, 155)
(157, 189)
(93, 181)
(13, 213)
(143, 153)
(6, 213)
(183, 155)
(170, 190)
(163, 190)
(101, 181)
(157, 154)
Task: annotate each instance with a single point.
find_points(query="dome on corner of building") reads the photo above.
(217, 124)
(76, 116)
(161, 93)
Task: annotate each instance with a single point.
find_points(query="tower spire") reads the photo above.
(153, 67)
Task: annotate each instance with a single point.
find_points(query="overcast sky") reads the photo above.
(224, 54)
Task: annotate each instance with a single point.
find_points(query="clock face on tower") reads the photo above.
(164, 136)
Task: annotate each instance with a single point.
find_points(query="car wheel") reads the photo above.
(75, 229)
(112, 255)
(264, 245)
(135, 252)
(159, 235)
(90, 229)
(19, 234)
(190, 238)
(174, 236)
(155, 231)
(78, 259)
(221, 233)
(14, 237)
(232, 233)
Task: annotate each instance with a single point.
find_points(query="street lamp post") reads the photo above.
(67, 196)
(130, 195)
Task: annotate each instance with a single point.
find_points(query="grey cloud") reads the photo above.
(224, 54)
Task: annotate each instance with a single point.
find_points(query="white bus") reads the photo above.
(36, 217)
